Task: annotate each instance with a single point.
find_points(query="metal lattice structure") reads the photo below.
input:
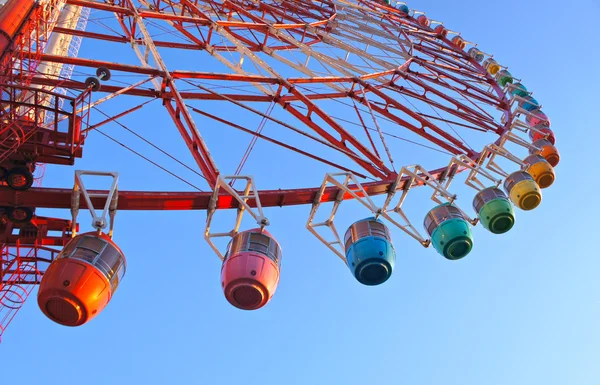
(341, 80)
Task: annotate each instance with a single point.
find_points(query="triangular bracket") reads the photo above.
(492, 151)
(99, 222)
(476, 173)
(249, 192)
(409, 177)
(348, 186)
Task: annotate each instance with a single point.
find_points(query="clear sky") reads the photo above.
(523, 308)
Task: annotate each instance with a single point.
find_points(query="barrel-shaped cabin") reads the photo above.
(504, 77)
(423, 20)
(459, 42)
(403, 8)
(78, 285)
(541, 170)
(542, 131)
(519, 89)
(494, 210)
(523, 190)
(441, 31)
(476, 54)
(491, 66)
(537, 118)
(547, 150)
(450, 232)
(529, 103)
(251, 269)
(370, 254)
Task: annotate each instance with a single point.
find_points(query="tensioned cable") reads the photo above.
(149, 160)
(286, 125)
(151, 144)
(385, 146)
(302, 107)
(254, 139)
(389, 134)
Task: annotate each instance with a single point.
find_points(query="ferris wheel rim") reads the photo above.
(60, 198)
(463, 91)
(290, 196)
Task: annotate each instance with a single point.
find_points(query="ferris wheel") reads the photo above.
(374, 99)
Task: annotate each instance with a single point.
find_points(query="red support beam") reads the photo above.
(152, 200)
(100, 63)
(192, 142)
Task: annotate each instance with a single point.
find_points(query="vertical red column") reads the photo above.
(12, 16)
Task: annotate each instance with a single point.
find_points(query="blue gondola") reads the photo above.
(369, 251)
(403, 8)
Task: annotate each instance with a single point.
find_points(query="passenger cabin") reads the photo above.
(369, 252)
(541, 171)
(251, 269)
(78, 285)
(523, 190)
(494, 210)
(449, 231)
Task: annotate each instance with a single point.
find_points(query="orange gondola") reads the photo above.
(81, 281)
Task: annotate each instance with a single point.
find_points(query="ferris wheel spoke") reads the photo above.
(465, 115)
(76, 85)
(255, 136)
(443, 49)
(283, 144)
(421, 79)
(326, 9)
(461, 88)
(454, 73)
(261, 65)
(342, 150)
(448, 60)
(449, 68)
(222, 59)
(466, 110)
(374, 164)
(342, 66)
(254, 25)
(476, 110)
(453, 122)
(326, 139)
(122, 39)
(175, 105)
(448, 143)
(481, 117)
(132, 69)
(355, 36)
(346, 21)
(298, 16)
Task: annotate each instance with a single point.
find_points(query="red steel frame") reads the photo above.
(25, 137)
(21, 265)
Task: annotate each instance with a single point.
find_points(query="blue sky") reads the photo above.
(520, 309)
